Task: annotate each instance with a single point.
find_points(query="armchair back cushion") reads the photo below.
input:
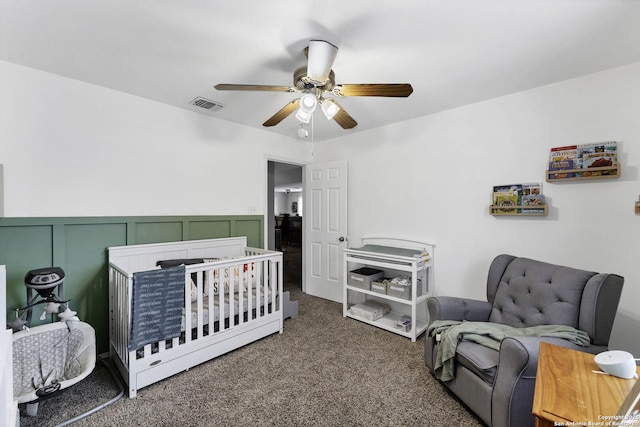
(524, 292)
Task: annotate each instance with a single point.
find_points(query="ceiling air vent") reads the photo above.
(207, 104)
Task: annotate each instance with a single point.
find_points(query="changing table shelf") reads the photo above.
(368, 274)
(389, 322)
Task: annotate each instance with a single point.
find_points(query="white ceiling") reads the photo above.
(453, 52)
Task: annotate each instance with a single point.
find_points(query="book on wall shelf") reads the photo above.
(562, 159)
(506, 198)
(598, 159)
(506, 203)
(534, 203)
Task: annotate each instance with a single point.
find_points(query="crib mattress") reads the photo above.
(206, 312)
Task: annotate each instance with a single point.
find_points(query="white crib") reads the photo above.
(247, 306)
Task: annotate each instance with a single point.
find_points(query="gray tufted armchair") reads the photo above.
(498, 385)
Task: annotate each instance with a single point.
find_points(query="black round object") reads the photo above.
(44, 279)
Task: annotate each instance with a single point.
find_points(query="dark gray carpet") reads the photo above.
(324, 370)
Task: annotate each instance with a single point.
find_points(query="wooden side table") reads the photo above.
(568, 393)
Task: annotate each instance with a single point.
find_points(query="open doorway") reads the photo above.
(285, 213)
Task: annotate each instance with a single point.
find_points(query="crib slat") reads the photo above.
(210, 301)
(199, 308)
(267, 291)
(259, 269)
(240, 270)
(250, 284)
(223, 312)
(232, 306)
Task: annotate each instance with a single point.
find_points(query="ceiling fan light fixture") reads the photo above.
(330, 108)
(303, 116)
(308, 104)
(320, 60)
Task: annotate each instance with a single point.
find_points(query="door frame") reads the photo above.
(269, 232)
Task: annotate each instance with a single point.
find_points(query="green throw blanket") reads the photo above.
(489, 335)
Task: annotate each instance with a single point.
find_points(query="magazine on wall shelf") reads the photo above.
(563, 158)
(599, 160)
(507, 204)
(507, 190)
(531, 188)
(536, 201)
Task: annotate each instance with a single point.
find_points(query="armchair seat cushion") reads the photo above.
(481, 360)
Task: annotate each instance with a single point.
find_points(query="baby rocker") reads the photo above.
(51, 357)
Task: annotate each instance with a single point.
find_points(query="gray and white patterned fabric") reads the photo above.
(44, 358)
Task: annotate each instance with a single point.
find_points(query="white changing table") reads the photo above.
(395, 257)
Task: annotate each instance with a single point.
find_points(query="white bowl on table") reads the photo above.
(617, 363)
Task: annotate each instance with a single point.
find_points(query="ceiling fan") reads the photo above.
(314, 81)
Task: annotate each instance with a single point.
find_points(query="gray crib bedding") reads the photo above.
(206, 312)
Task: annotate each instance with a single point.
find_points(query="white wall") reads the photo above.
(432, 178)
(75, 149)
(284, 200)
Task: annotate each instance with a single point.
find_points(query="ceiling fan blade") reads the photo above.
(382, 89)
(283, 113)
(225, 86)
(344, 119)
(320, 57)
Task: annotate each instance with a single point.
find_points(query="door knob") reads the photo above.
(341, 239)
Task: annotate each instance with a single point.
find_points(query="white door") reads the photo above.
(325, 209)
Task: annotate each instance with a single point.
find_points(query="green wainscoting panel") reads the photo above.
(86, 282)
(209, 229)
(250, 229)
(79, 246)
(158, 232)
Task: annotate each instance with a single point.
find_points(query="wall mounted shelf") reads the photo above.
(613, 172)
(513, 210)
